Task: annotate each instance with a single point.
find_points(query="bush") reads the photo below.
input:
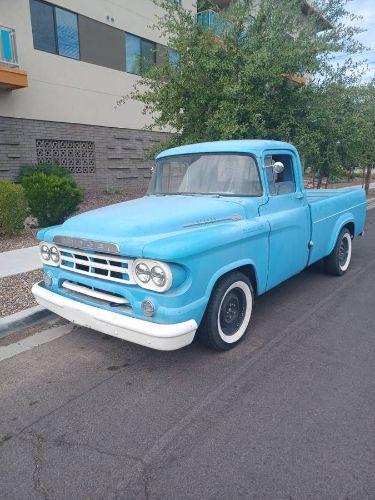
(44, 168)
(51, 198)
(12, 208)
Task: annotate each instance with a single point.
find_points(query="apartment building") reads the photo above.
(63, 66)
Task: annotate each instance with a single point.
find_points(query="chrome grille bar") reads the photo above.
(98, 265)
(101, 295)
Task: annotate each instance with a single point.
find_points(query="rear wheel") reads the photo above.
(338, 261)
(228, 312)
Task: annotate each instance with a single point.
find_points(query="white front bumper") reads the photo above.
(162, 337)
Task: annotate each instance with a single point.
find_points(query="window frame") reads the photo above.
(56, 35)
(292, 163)
(141, 38)
(54, 6)
(227, 153)
(54, 25)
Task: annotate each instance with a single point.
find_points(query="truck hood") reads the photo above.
(135, 223)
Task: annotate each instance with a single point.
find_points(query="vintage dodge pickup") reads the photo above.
(222, 222)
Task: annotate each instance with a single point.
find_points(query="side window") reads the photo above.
(140, 54)
(54, 29)
(133, 54)
(43, 26)
(67, 33)
(282, 183)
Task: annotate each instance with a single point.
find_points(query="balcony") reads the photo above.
(11, 77)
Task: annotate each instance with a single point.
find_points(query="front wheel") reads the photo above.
(228, 312)
(338, 260)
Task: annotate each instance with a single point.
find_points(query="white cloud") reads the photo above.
(366, 9)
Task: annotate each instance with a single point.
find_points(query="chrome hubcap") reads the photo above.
(232, 311)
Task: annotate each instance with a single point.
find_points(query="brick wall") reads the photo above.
(119, 153)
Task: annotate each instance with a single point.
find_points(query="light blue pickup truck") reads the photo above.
(222, 222)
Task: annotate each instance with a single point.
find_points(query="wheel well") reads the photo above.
(350, 226)
(248, 271)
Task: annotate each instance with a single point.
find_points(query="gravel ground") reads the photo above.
(93, 199)
(24, 240)
(15, 292)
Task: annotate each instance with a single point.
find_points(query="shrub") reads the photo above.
(45, 168)
(12, 208)
(51, 198)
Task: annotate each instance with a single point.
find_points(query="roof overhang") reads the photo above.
(12, 78)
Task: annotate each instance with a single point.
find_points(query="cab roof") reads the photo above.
(254, 146)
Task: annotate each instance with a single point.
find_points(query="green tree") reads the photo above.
(337, 133)
(234, 81)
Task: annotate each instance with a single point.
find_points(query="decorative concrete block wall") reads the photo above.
(98, 157)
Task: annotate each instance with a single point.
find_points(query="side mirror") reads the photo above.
(278, 167)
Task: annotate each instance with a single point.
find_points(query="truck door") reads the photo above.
(288, 214)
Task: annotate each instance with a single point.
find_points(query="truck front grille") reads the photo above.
(106, 267)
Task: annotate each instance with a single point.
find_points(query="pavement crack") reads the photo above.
(39, 460)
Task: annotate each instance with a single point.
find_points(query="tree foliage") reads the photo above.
(234, 81)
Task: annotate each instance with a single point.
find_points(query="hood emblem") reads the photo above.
(84, 244)
(212, 221)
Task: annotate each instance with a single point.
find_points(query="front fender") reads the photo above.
(231, 267)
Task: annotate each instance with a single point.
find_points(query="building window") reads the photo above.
(140, 54)
(67, 33)
(148, 54)
(60, 31)
(55, 30)
(173, 57)
(77, 156)
(133, 54)
(43, 26)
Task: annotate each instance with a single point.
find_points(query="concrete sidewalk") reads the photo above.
(19, 261)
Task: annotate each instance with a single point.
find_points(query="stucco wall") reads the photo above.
(66, 90)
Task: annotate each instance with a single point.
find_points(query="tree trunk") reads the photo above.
(368, 179)
(319, 183)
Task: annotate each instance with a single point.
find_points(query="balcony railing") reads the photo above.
(207, 18)
(8, 50)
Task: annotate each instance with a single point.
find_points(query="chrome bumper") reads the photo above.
(166, 337)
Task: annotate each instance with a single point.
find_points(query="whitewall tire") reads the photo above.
(338, 261)
(228, 312)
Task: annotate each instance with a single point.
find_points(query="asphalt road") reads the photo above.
(289, 414)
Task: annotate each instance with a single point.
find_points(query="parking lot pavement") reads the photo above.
(287, 414)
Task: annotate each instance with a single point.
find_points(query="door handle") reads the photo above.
(299, 196)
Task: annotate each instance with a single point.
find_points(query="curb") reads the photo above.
(27, 317)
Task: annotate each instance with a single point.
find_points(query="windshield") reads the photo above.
(225, 174)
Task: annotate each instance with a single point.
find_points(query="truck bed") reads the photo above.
(330, 209)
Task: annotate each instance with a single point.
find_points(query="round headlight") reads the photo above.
(143, 272)
(158, 276)
(55, 254)
(45, 252)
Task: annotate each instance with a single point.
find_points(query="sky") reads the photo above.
(366, 9)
